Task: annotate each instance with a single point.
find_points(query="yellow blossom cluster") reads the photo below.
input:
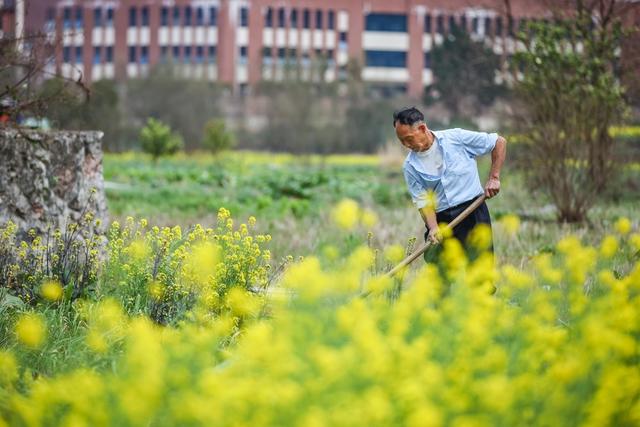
(556, 344)
(165, 272)
(347, 214)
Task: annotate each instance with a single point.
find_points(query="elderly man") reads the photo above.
(441, 170)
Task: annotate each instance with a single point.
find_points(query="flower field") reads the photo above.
(265, 303)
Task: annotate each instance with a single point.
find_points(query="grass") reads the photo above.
(292, 196)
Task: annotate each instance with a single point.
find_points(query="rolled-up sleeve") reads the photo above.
(416, 190)
(476, 143)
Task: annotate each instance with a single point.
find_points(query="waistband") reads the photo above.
(460, 206)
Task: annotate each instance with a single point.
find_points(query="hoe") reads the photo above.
(457, 220)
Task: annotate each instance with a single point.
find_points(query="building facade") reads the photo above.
(241, 42)
(7, 18)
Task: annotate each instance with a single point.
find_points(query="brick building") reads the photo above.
(240, 42)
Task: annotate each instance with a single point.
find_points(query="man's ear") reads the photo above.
(422, 127)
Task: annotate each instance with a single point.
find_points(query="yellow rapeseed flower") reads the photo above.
(156, 290)
(369, 218)
(445, 231)
(608, 247)
(331, 252)
(8, 368)
(51, 290)
(346, 213)
(511, 224)
(31, 330)
(623, 226)
(394, 254)
(96, 341)
(138, 250)
(430, 198)
(480, 237)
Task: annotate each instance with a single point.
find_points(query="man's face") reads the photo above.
(413, 137)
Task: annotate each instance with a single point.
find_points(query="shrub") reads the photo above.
(158, 140)
(216, 137)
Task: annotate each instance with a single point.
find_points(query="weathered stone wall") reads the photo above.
(47, 178)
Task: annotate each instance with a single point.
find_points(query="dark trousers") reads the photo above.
(462, 230)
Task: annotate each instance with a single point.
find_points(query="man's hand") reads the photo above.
(492, 187)
(434, 236)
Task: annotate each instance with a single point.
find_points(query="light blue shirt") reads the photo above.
(459, 181)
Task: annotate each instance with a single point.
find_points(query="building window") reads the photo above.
(164, 53)
(187, 54)
(268, 18)
(386, 22)
(66, 18)
(145, 16)
(440, 24)
(78, 18)
(176, 16)
(306, 18)
(175, 52)
(342, 39)
(318, 19)
(386, 58)
(144, 55)
(164, 16)
(199, 54)
(212, 54)
(132, 54)
(133, 16)
(427, 23)
(292, 55)
(452, 23)
(266, 55)
(281, 17)
(199, 17)
(109, 22)
(78, 55)
(463, 23)
(282, 53)
(187, 16)
(243, 55)
(97, 54)
(109, 55)
(474, 25)
(427, 59)
(331, 20)
(498, 26)
(487, 26)
(213, 16)
(510, 28)
(66, 54)
(294, 18)
(97, 17)
(244, 16)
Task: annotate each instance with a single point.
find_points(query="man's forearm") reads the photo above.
(429, 217)
(498, 155)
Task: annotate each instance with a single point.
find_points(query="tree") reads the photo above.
(570, 97)
(216, 137)
(464, 68)
(158, 140)
(23, 68)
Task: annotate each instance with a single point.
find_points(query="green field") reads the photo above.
(293, 196)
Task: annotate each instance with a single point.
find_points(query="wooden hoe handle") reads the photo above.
(457, 220)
